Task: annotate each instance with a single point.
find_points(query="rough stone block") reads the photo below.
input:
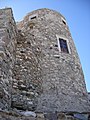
(50, 116)
(61, 116)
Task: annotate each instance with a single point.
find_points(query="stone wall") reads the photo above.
(62, 81)
(5, 115)
(26, 82)
(35, 75)
(89, 96)
(8, 36)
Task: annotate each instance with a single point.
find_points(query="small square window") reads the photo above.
(63, 45)
(64, 22)
(33, 17)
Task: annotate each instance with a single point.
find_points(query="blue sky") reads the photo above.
(77, 14)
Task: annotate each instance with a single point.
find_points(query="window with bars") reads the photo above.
(63, 45)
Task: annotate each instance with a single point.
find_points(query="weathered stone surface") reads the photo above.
(34, 74)
(40, 116)
(61, 76)
(17, 115)
(61, 116)
(8, 32)
(50, 116)
(14, 116)
(89, 96)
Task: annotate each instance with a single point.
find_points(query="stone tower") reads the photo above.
(46, 72)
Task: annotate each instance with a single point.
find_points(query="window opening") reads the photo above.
(63, 45)
(64, 22)
(33, 17)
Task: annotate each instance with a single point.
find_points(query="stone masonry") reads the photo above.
(8, 35)
(35, 74)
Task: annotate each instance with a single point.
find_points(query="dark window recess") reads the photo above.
(63, 45)
(64, 22)
(33, 17)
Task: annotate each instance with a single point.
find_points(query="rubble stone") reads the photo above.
(35, 74)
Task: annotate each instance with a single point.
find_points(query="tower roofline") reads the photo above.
(45, 9)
